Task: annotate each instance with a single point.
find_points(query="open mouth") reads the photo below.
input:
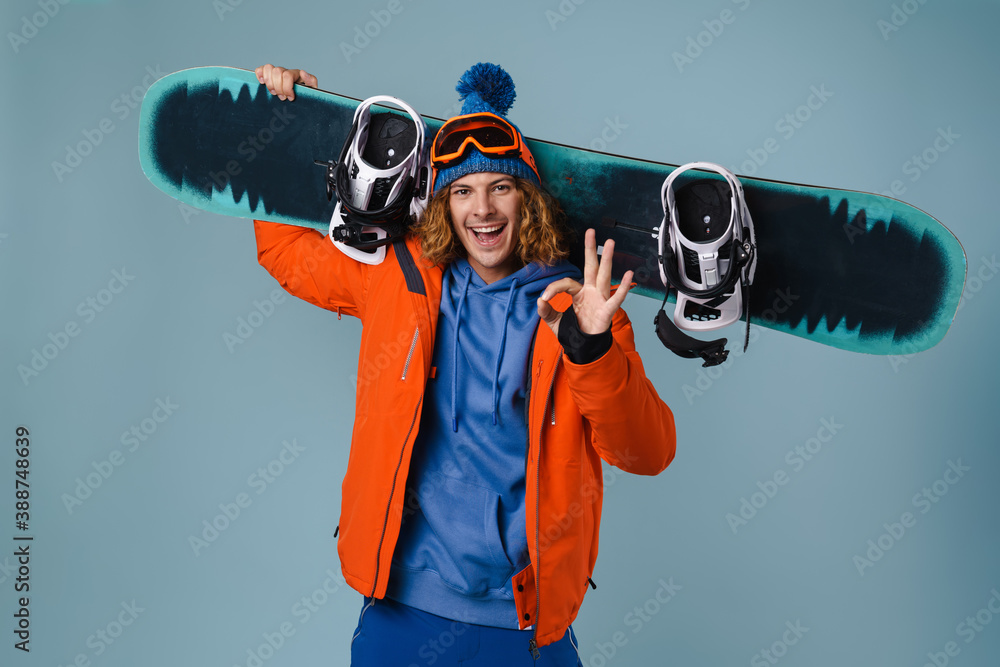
(488, 235)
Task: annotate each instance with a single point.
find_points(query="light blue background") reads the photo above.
(901, 420)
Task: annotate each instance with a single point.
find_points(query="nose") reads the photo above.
(484, 205)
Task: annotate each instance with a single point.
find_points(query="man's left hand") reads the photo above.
(593, 302)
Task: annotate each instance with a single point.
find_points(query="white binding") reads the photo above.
(367, 174)
(712, 268)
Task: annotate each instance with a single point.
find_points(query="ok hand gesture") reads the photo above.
(593, 302)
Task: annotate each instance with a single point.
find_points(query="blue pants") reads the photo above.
(391, 634)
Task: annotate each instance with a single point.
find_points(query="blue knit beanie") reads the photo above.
(486, 88)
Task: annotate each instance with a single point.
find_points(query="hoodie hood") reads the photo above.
(508, 305)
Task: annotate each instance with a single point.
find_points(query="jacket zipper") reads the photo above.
(533, 644)
(392, 492)
(415, 284)
(409, 355)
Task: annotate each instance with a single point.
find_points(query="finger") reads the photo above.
(272, 78)
(288, 84)
(604, 271)
(275, 83)
(308, 79)
(549, 315)
(264, 73)
(590, 257)
(618, 297)
(564, 285)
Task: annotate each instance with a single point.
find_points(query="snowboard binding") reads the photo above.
(707, 255)
(381, 180)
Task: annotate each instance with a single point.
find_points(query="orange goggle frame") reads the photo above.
(493, 136)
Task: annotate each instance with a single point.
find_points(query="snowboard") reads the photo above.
(854, 270)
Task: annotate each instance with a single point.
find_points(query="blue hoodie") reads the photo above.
(463, 534)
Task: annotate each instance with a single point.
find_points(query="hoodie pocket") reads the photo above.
(458, 536)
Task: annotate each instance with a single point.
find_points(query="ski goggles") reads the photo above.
(493, 136)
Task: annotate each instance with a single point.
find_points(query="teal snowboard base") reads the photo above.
(854, 270)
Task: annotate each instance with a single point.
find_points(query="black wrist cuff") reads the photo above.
(582, 348)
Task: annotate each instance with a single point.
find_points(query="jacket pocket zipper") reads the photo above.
(409, 355)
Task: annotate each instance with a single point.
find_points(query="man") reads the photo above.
(472, 499)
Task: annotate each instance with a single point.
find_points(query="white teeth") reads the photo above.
(486, 230)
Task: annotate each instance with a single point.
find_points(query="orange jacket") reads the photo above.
(577, 415)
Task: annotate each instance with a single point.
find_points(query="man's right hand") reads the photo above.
(281, 81)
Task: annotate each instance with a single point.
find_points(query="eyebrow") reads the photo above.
(502, 179)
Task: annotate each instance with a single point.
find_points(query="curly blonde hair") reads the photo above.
(543, 236)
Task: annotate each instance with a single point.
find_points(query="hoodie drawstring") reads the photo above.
(503, 339)
(454, 375)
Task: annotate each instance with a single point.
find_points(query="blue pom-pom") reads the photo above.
(486, 87)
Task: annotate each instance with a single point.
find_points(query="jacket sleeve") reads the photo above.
(307, 264)
(632, 428)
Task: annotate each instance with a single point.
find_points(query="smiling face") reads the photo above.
(485, 214)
